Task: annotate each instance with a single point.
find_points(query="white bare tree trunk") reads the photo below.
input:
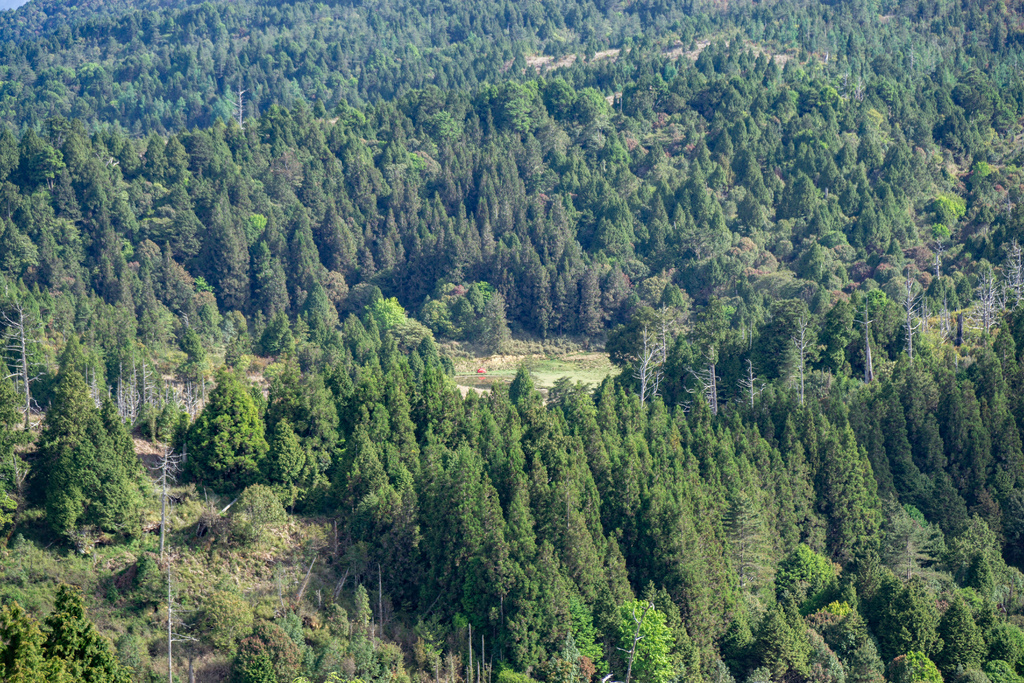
(911, 322)
(17, 343)
(801, 342)
(749, 383)
(869, 373)
(650, 364)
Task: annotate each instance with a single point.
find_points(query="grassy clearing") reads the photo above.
(590, 368)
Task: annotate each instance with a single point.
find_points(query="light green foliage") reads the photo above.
(840, 609)
(914, 667)
(226, 617)
(259, 510)
(652, 662)
(940, 232)
(949, 208)
(254, 227)
(803, 575)
(506, 675)
(387, 312)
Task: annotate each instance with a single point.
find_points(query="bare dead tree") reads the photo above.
(305, 583)
(650, 364)
(946, 328)
(940, 248)
(707, 378)
(801, 343)
(147, 387)
(169, 465)
(983, 315)
(240, 107)
(94, 388)
(19, 339)
(186, 398)
(869, 372)
(911, 321)
(749, 383)
(129, 400)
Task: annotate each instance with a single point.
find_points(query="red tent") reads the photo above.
(481, 371)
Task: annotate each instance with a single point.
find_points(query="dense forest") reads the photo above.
(244, 244)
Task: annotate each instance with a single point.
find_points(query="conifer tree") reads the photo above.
(21, 650)
(847, 495)
(778, 645)
(287, 463)
(226, 444)
(907, 620)
(94, 477)
(748, 536)
(495, 335)
(72, 638)
(962, 641)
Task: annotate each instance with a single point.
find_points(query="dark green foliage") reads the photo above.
(93, 476)
(907, 619)
(226, 446)
(962, 643)
(71, 637)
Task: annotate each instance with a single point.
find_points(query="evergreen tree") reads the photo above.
(226, 445)
(962, 641)
(847, 495)
(907, 620)
(21, 650)
(494, 334)
(73, 639)
(94, 477)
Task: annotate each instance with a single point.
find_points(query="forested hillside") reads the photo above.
(242, 245)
